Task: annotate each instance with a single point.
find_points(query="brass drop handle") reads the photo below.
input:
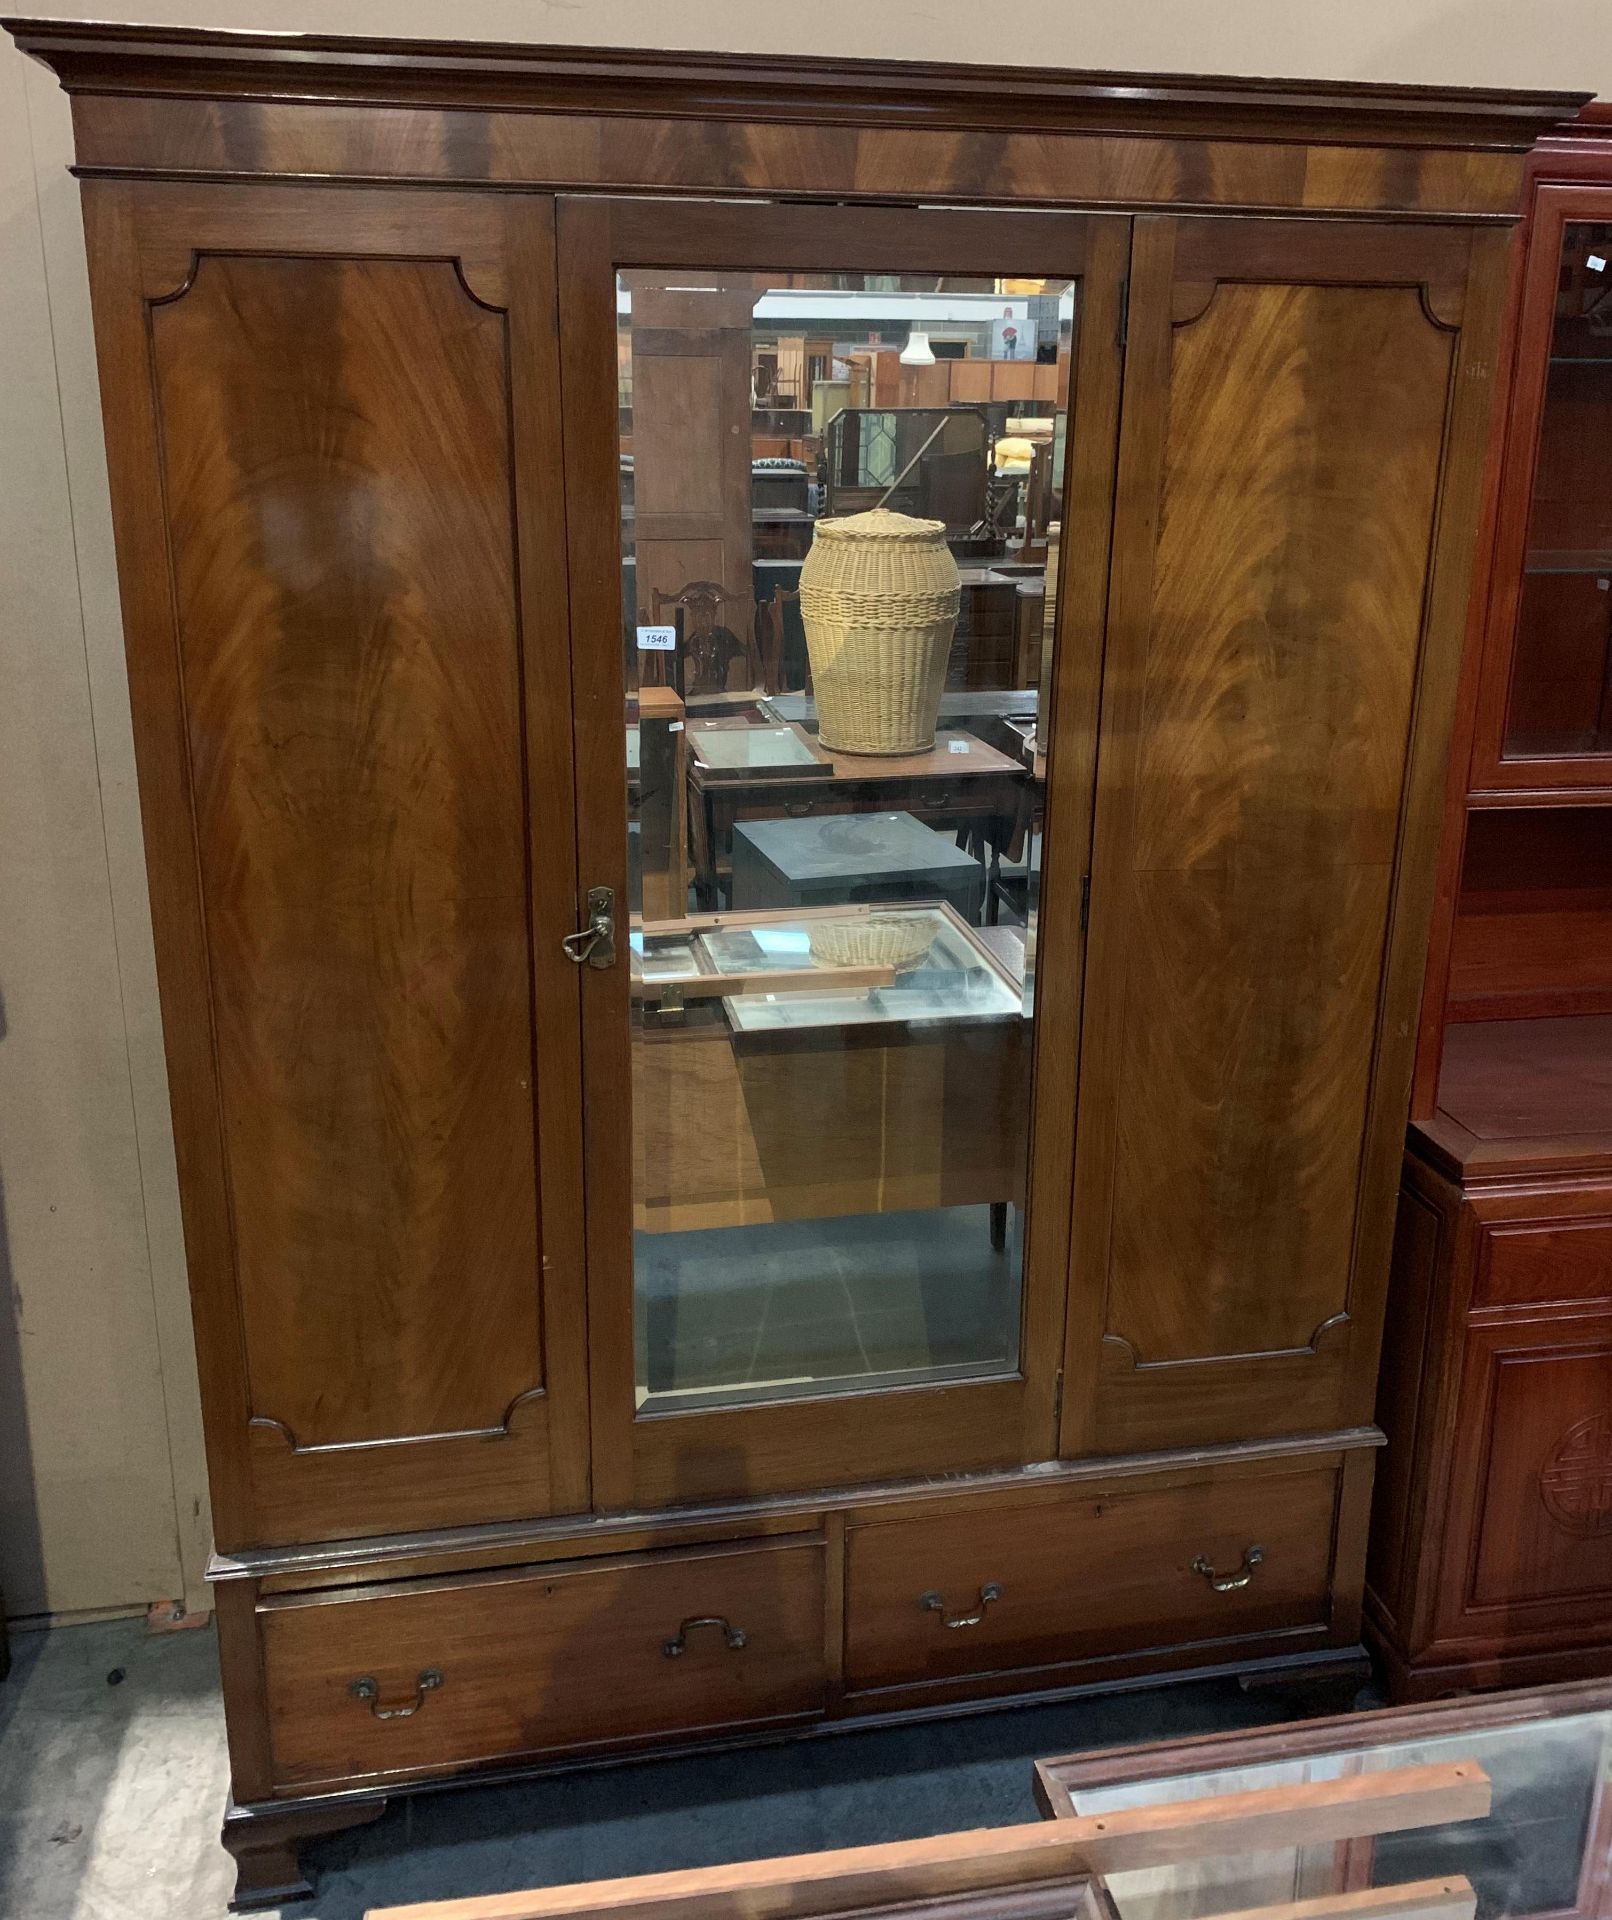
(734, 1637)
(935, 1603)
(366, 1689)
(1230, 1582)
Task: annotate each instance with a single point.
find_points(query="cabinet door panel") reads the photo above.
(1284, 507)
(1529, 1539)
(338, 428)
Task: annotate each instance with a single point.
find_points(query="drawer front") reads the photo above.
(499, 1665)
(1038, 1585)
(1529, 1264)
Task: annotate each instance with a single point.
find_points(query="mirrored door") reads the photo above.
(839, 510)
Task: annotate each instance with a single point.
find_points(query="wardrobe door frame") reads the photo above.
(764, 1447)
(1461, 276)
(145, 239)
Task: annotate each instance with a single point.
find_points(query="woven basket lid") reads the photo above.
(879, 523)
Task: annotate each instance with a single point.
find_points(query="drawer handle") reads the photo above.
(366, 1689)
(1230, 1582)
(733, 1636)
(798, 809)
(934, 1603)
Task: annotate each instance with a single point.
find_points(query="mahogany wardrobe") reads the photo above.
(700, 1229)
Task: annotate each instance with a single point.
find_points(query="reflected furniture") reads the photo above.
(1040, 1872)
(364, 311)
(859, 856)
(1545, 1847)
(1491, 1559)
(960, 782)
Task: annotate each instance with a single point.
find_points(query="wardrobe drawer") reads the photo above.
(492, 1666)
(1111, 1571)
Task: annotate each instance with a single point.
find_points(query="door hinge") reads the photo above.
(1124, 313)
(1085, 901)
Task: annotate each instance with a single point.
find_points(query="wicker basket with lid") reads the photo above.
(878, 597)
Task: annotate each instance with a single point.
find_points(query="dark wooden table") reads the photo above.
(961, 781)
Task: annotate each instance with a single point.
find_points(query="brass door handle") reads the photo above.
(734, 1637)
(596, 942)
(935, 1603)
(366, 1689)
(1230, 1582)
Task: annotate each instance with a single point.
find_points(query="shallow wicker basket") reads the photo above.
(878, 598)
(872, 942)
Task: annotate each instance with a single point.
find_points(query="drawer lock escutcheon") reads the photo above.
(935, 1603)
(1230, 1582)
(733, 1637)
(365, 1688)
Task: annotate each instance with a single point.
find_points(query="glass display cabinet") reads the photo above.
(1545, 1847)
(788, 881)
(1080, 1868)
(1546, 701)
(1492, 1536)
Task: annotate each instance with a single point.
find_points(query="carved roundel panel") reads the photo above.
(1575, 1482)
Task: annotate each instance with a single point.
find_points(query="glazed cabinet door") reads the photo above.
(830, 1071)
(333, 427)
(1305, 406)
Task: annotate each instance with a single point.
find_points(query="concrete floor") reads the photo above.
(110, 1794)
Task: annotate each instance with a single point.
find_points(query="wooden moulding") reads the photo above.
(219, 63)
(151, 100)
(857, 1878)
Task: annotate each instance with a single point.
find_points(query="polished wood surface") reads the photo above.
(363, 427)
(329, 67)
(866, 1879)
(1532, 921)
(1257, 768)
(1130, 1556)
(751, 157)
(521, 1657)
(355, 758)
(1492, 1550)
(351, 841)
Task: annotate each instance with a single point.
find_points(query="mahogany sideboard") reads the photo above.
(499, 1482)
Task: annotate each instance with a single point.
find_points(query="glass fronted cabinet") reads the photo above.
(1546, 720)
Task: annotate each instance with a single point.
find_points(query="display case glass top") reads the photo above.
(1546, 1847)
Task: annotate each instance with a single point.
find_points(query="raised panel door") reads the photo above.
(357, 794)
(1297, 477)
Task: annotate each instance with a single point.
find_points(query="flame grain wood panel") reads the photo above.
(335, 432)
(1286, 415)
(337, 455)
(298, 139)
